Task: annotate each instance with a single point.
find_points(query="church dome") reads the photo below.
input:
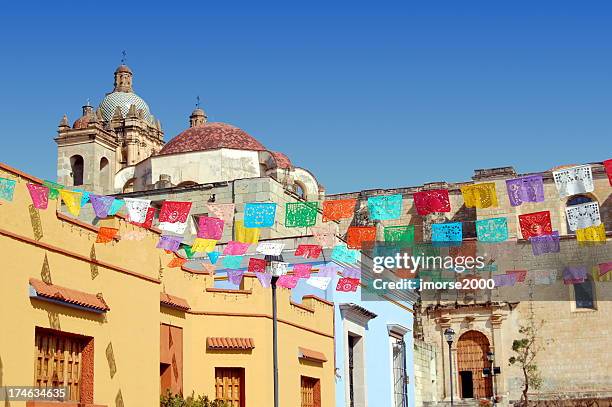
(211, 136)
(123, 100)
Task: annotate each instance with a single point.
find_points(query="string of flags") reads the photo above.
(584, 219)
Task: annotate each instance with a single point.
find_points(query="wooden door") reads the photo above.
(311, 392)
(472, 349)
(229, 386)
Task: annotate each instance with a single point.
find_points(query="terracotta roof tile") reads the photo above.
(311, 355)
(68, 295)
(230, 343)
(211, 136)
(173, 302)
(282, 161)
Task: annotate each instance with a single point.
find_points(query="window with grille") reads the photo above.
(229, 385)
(400, 380)
(351, 366)
(311, 392)
(59, 361)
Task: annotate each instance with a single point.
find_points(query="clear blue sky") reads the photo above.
(365, 95)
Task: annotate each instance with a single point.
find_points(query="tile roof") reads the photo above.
(68, 295)
(173, 302)
(311, 355)
(230, 343)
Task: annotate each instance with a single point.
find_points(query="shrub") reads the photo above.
(177, 400)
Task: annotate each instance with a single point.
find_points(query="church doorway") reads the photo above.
(472, 349)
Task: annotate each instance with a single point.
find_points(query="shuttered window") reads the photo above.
(311, 392)
(229, 385)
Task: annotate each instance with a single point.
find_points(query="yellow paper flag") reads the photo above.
(244, 235)
(597, 277)
(203, 245)
(72, 200)
(592, 234)
(480, 195)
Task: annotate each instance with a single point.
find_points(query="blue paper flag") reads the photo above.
(259, 214)
(7, 188)
(115, 206)
(84, 196)
(447, 232)
(492, 230)
(232, 262)
(343, 254)
(385, 207)
(213, 257)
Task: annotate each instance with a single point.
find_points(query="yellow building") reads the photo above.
(117, 326)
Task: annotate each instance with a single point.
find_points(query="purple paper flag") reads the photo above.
(265, 279)
(504, 280)
(574, 274)
(101, 205)
(235, 276)
(352, 272)
(545, 244)
(329, 270)
(525, 189)
(170, 243)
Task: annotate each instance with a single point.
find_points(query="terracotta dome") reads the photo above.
(211, 136)
(81, 122)
(282, 161)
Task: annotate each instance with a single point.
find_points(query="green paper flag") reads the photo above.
(301, 214)
(399, 233)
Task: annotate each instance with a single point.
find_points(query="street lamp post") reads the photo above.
(449, 334)
(276, 273)
(491, 359)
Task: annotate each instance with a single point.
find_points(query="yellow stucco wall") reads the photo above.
(130, 275)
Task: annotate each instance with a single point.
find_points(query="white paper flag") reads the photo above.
(177, 227)
(574, 180)
(278, 268)
(544, 277)
(319, 282)
(137, 209)
(270, 248)
(583, 215)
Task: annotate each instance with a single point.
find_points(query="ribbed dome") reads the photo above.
(81, 123)
(124, 100)
(211, 136)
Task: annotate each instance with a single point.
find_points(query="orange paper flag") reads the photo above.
(338, 209)
(106, 235)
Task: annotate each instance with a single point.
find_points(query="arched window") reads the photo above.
(577, 200)
(104, 172)
(77, 166)
(129, 185)
(300, 189)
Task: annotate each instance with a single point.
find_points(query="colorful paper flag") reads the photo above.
(232, 261)
(325, 235)
(608, 166)
(318, 282)
(287, 281)
(545, 244)
(84, 196)
(265, 279)
(605, 268)
(535, 224)
(594, 234)
(169, 242)
(492, 230)
(115, 207)
(210, 228)
(222, 211)
(203, 245)
(583, 216)
(574, 180)
(447, 232)
(174, 212)
(278, 268)
(259, 214)
(137, 209)
(244, 235)
(106, 234)
(606, 277)
(72, 200)
(177, 262)
(504, 280)
(352, 272)
(480, 195)
(395, 234)
(302, 270)
(235, 248)
(101, 205)
(525, 189)
(309, 251)
(521, 275)
(347, 284)
(432, 201)
(301, 214)
(357, 235)
(545, 277)
(270, 248)
(176, 227)
(54, 188)
(574, 275)
(148, 220)
(213, 257)
(341, 253)
(257, 265)
(39, 195)
(235, 276)
(338, 209)
(385, 207)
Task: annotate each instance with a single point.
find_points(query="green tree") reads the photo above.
(526, 349)
(177, 400)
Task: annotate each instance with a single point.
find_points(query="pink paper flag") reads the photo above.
(222, 211)
(40, 195)
(287, 281)
(235, 248)
(605, 268)
(210, 228)
(302, 270)
(257, 265)
(310, 251)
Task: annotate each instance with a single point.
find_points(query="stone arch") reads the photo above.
(77, 169)
(104, 173)
(129, 185)
(472, 348)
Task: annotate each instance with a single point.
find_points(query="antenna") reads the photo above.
(198, 102)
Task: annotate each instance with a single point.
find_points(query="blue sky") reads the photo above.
(365, 95)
